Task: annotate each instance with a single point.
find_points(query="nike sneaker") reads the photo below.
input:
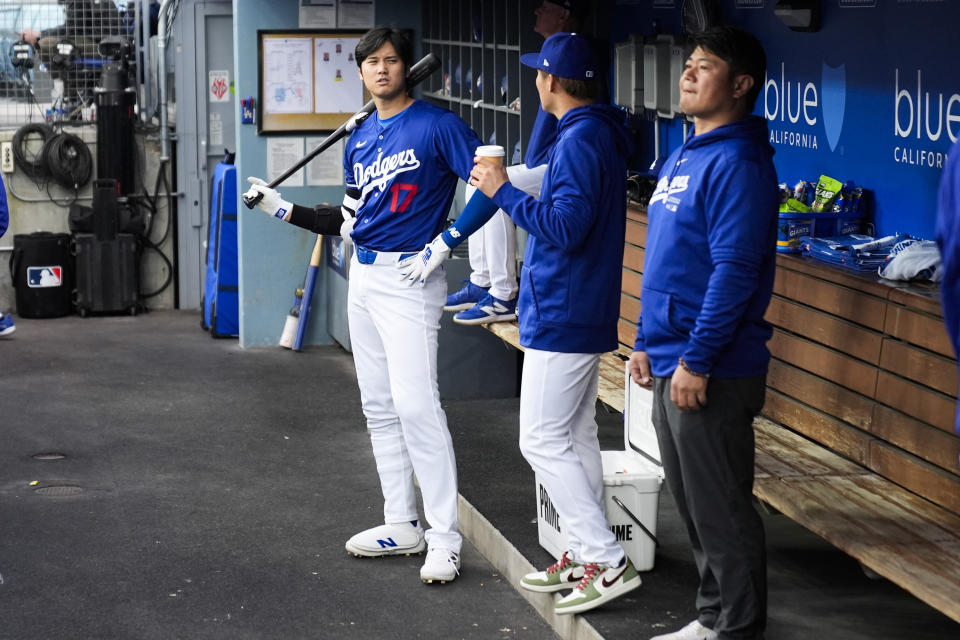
(600, 584)
(563, 574)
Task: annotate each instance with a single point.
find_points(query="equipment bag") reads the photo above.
(107, 274)
(42, 268)
(221, 306)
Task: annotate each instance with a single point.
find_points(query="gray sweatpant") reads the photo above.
(708, 457)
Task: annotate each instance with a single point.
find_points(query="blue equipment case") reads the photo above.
(221, 308)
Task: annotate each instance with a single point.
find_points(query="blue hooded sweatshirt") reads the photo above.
(709, 261)
(948, 240)
(570, 282)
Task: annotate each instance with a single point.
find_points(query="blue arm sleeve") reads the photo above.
(457, 143)
(479, 209)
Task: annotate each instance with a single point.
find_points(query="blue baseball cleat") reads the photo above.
(465, 298)
(6, 324)
(489, 309)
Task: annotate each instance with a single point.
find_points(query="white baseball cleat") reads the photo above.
(693, 631)
(394, 539)
(441, 565)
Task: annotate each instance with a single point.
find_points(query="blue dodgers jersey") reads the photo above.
(407, 175)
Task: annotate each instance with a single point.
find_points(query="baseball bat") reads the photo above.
(418, 73)
(293, 317)
(307, 296)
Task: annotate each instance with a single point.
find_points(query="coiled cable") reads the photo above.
(31, 163)
(68, 160)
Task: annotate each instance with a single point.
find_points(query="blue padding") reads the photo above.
(221, 305)
(479, 209)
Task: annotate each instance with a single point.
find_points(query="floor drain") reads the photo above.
(49, 456)
(60, 490)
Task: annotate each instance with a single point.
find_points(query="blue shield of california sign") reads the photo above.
(833, 88)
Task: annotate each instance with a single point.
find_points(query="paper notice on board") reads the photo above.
(318, 14)
(325, 170)
(215, 129)
(283, 153)
(288, 75)
(336, 81)
(355, 14)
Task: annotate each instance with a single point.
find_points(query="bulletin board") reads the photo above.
(307, 80)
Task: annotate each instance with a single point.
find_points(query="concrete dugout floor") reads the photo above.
(210, 490)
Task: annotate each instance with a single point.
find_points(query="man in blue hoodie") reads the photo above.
(948, 240)
(567, 308)
(701, 337)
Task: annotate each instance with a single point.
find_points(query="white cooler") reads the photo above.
(631, 487)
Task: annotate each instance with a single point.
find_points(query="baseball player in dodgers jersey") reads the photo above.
(401, 167)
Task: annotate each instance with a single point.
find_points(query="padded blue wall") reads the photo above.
(882, 93)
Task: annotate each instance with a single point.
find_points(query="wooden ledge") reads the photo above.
(903, 537)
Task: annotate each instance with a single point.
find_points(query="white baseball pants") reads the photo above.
(558, 437)
(393, 331)
(493, 249)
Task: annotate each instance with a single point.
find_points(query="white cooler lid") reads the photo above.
(638, 432)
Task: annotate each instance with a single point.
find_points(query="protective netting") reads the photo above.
(52, 54)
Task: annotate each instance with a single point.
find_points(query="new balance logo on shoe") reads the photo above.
(397, 539)
(488, 309)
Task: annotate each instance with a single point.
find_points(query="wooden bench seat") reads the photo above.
(610, 388)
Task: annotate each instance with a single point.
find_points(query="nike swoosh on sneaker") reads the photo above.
(610, 583)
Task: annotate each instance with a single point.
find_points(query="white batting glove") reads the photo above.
(271, 203)
(346, 229)
(416, 269)
(351, 201)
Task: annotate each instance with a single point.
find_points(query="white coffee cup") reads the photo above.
(491, 154)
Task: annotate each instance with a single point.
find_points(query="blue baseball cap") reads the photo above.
(565, 55)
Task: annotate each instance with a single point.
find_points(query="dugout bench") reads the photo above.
(856, 440)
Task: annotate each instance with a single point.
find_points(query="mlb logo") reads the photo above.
(42, 277)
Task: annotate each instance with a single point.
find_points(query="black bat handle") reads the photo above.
(252, 202)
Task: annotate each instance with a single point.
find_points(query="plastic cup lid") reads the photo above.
(490, 150)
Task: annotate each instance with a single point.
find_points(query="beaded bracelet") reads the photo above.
(691, 371)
